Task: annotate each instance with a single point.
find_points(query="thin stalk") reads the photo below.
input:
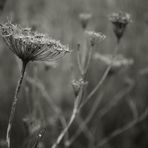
(15, 100)
(88, 60)
(103, 78)
(96, 87)
(38, 138)
(50, 101)
(72, 118)
(103, 112)
(86, 121)
(123, 129)
(79, 60)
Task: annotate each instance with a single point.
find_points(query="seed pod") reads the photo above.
(119, 20)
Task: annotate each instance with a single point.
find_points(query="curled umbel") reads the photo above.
(31, 46)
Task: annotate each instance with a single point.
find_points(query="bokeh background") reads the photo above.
(49, 86)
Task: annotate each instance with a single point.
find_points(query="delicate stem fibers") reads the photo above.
(15, 100)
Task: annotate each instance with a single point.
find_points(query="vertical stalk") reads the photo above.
(99, 84)
(72, 118)
(15, 100)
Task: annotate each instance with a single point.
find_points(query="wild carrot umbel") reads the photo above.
(31, 46)
(77, 84)
(119, 20)
(28, 46)
(93, 38)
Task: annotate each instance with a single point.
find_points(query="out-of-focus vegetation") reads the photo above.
(47, 98)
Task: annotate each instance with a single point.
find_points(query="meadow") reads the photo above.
(73, 73)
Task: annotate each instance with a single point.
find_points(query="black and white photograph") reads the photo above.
(73, 74)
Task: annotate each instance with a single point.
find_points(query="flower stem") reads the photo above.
(72, 118)
(15, 100)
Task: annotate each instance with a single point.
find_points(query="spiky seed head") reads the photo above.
(95, 37)
(84, 19)
(120, 20)
(31, 46)
(77, 84)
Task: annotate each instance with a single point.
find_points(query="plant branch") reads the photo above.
(13, 107)
(101, 81)
(72, 118)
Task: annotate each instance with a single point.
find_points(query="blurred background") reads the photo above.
(46, 98)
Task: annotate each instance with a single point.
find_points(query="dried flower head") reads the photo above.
(31, 46)
(117, 61)
(77, 84)
(120, 20)
(95, 36)
(84, 19)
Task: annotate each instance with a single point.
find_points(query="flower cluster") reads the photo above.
(120, 20)
(31, 46)
(77, 84)
(84, 18)
(94, 37)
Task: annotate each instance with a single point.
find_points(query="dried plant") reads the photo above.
(28, 46)
(113, 60)
(72, 118)
(31, 46)
(77, 85)
(95, 37)
(119, 20)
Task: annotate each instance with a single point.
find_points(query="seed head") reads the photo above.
(77, 84)
(84, 19)
(94, 37)
(31, 46)
(120, 20)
